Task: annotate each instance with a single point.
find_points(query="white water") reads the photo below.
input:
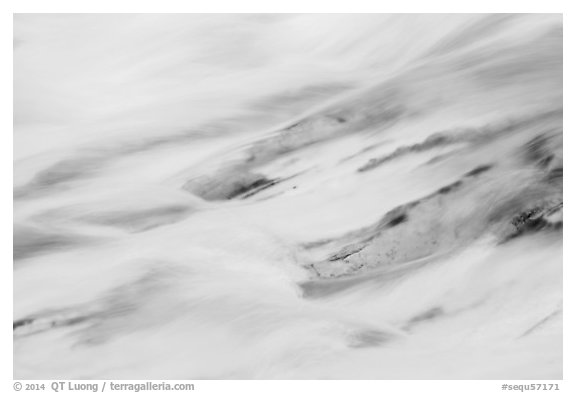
(168, 285)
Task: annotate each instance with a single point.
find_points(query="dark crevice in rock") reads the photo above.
(396, 216)
(261, 186)
(347, 251)
(398, 220)
(530, 219)
(228, 184)
(244, 188)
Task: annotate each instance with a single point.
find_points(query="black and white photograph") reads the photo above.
(283, 196)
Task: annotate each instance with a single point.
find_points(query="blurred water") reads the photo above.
(180, 178)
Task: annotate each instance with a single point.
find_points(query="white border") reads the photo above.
(292, 6)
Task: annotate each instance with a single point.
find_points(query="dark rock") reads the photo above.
(398, 220)
(531, 219)
(21, 322)
(536, 219)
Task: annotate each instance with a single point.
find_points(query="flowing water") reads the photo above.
(288, 196)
